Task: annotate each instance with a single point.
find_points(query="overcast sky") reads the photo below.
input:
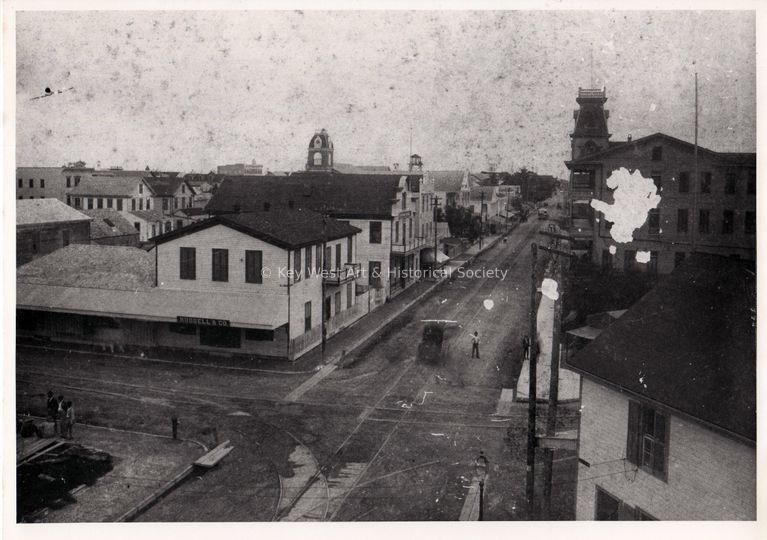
(192, 90)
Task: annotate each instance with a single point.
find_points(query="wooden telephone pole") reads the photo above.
(531, 392)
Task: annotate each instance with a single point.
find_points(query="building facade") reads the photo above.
(46, 225)
(713, 212)
(668, 401)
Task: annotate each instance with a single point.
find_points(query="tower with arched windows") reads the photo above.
(320, 156)
(590, 134)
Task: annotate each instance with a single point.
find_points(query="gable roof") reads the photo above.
(108, 223)
(39, 211)
(339, 195)
(736, 158)
(447, 181)
(165, 186)
(107, 186)
(289, 229)
(148, 215)
(91, 266)
(689, 344)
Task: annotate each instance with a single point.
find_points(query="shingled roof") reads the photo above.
(38, 211)
(108, 223)
(689, 344)
(165, 186)
(344, 196)
(107, 186)
(286, 228)
(448, 181)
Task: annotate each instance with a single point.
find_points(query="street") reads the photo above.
(386, 437)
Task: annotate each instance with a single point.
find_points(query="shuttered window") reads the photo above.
(220, 259)
(253, 266)
(187, 262)
(647, 440)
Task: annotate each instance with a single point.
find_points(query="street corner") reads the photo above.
(139, 465)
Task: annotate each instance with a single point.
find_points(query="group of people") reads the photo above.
(475, 346)
(62, 413)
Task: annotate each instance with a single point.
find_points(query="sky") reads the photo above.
(191, 90)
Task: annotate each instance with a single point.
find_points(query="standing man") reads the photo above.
(475, 345)
(525, 348)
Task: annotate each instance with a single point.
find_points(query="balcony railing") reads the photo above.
(411, 244)
(339, 276)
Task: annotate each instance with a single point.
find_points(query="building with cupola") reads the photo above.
(713, 211)
(320, 153)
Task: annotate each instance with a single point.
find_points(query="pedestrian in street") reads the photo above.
(475, 345)
(53, 411)
(526, 347)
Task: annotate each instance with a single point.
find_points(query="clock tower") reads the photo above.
(590, 134)
(320, 157)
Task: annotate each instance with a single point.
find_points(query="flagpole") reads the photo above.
(696, 180)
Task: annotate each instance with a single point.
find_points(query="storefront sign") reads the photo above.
(201, 322)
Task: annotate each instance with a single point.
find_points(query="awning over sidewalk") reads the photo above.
(585, 332)
(427, 256)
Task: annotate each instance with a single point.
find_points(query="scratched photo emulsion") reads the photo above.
(385, 266)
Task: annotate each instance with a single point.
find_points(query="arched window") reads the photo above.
(317, 158)
(317, 142)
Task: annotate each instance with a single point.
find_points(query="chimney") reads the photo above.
(629, 138)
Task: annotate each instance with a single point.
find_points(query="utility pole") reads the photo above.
(435, 205)
(531, 397)
(322, 288)
(481, 206)
(695, 179)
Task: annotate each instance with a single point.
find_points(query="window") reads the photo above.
(750, 227)
(629, 259)
(730, 182)
(679, 257)
(338, 255)
(297, 266)
(220, 336)
(308, 262)
(337, 302)
(110, 203)
(705, 182)
(375, 232)
(64, 237)
(583, 179)
(137, 225)
(396, 232)
(165, 204)
(349, 296)
(410, 227)
(220, 267)
(607, 259)
(647, 439)
(133, 204)
(31, 182)
(318, 259)
(119, 205)
(349, 245)
(179, 223)
(374, 274)
(141, 204)
(175, 203)
(326, 260)
(682, 220)
(90, 203)
(168, 226)
(187, 261)
(154, 230)
(307, 316)
(187, 329)
(77, 180)
(69, 200)
(100, 203)
(149, 204)
(657, 179)
(727, 219)
(657, 153)
(77, 202)
(253, 334)
(254, 262)
(21, 183)
(609, 508)
(141, 189)
(404, 200)
(317, 159)
(652, 266)
(653, 221)
(69, 181)
(751, 186)
(183, 188)
(42, 183)
(684, 182)
(704, 221)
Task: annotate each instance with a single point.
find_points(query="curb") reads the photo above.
(385, 324)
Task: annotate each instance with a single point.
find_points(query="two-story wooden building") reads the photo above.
(668, 401)
(257, 283)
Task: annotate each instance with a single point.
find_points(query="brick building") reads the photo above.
(45, 225)
(668, 397)
(713, 213)
(40, 183)
(229, 284)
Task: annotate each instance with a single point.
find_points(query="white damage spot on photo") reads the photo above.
(488, 303)
(549, 288)
(634, 197)
(643, 256)
(613, 250)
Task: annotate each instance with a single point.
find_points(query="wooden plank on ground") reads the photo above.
(44, 449)
(214, 456)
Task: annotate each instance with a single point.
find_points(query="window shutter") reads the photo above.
(632, 442)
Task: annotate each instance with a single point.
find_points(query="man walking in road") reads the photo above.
(475, 345)
(526, 348)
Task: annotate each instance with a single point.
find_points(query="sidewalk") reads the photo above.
(569, 381)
